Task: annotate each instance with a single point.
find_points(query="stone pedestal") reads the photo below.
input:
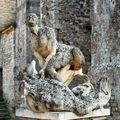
(26, 114)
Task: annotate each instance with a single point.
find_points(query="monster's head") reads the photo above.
(32, 20)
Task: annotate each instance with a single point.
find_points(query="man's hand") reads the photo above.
(42, 73)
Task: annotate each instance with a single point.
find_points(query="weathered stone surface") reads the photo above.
(52, 95)
(4, 113)
(20, 46)
(74, 25)
(26, 114)
(0, 53)
(105, 36)
(71, 19)
(7, 40)
(105, 48)
(7, 12)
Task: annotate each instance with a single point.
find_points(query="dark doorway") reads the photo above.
(1, 82)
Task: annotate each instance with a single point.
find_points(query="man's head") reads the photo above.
(32, 20)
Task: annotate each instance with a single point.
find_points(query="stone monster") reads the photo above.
(51, 95)
(85, 89)
(51, 54)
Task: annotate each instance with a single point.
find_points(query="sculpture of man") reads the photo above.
(42, 41)
(51, 54)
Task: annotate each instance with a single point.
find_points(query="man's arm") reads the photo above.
(53, 46)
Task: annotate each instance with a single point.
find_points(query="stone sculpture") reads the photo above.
(52, 95)
(51, 54)
(60, 63)
(31, 69)
(43, 45)
(86, 89)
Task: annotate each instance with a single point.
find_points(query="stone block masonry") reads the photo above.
(20, 46)
(0, 54)
(105, 62)
(7, 42)
(75, 28)
(7, 12)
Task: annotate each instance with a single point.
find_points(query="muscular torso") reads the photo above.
(43, 51)
(38, 46)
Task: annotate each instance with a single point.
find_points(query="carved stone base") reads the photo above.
(49, 95)
(25, 113)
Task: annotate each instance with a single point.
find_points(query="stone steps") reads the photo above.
(4, 113)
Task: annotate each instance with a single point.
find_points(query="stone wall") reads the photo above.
(7, 12)
(20, 39)
(20, 45)
(7, 44)
(74, 25)
(105, 50)
(7, 16)
(114, 35)
(0, 53)
(13, 49)
(33, 6)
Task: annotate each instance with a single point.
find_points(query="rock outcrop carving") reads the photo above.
(59, 64)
